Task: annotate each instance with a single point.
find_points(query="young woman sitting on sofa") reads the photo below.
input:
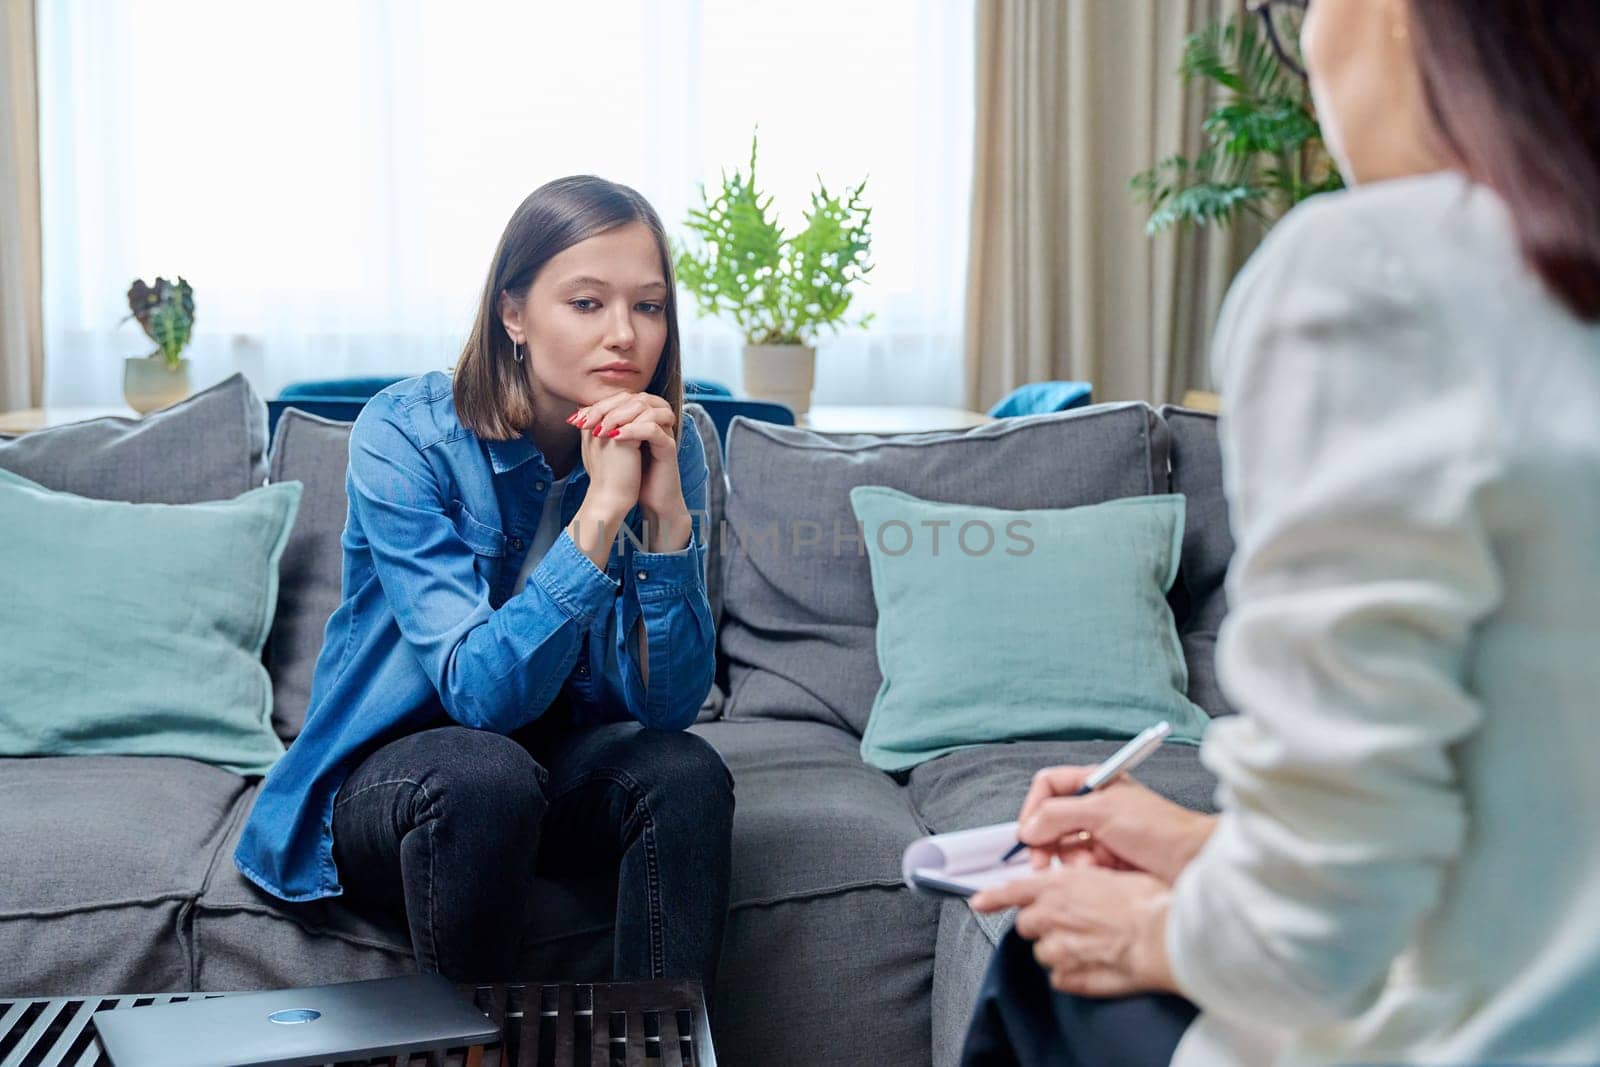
(1405, 862)
(505, 686)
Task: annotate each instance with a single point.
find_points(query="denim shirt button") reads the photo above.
(583, 669)
(539, 486)
(643, 576)
(516, 544)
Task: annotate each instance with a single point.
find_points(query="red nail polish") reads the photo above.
(597, 428)
(613, 433)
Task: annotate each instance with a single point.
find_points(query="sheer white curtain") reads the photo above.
(332, 178)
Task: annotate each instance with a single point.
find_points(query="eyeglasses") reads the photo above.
(1283, 19)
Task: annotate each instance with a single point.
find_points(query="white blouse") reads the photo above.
(1407, 867)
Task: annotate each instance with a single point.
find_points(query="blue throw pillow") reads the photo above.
(136, 629)
(998, 625)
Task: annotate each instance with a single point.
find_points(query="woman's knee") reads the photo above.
(483, 777)
(681, 764)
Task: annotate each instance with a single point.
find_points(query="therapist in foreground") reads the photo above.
(1407, 860)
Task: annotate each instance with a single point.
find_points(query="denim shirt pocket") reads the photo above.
(487, 543)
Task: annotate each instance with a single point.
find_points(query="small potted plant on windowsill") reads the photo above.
(780, 289)
(166, 313)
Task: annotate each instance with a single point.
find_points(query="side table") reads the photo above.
(888, 418)
(599, 1024)
(16, 423)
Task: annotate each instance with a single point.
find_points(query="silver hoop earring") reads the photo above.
(516, 351)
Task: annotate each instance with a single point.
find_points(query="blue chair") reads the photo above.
(722, 409)
(366, 387)
(1038, 398)
(319, 398)
(342, 388)
(346, 387)
(337, 408)
(704, 387)
(340, 399)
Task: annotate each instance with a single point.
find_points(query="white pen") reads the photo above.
(1125, 758)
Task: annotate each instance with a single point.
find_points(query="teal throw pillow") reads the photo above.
(136, 629)
(998, 625)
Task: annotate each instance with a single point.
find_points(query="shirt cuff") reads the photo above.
(658, 575)
(1218, 953)
(573, 582)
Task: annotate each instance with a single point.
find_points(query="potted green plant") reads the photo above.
(1264, 150)
(780, 289)
(166, 314)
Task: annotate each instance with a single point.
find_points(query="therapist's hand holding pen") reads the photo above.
(1122, 824)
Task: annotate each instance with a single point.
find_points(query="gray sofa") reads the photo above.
(116, 873)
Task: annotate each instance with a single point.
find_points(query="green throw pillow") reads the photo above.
(136, 629)
(1041, 625)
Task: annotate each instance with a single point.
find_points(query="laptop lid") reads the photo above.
(295, 1027)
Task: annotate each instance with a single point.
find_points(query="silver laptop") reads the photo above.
(285, 1027)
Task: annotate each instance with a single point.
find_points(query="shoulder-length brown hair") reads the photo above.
(492, 393)
(1514, 87)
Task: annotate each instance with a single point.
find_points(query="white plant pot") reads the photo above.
(147, 383)
(781, 373)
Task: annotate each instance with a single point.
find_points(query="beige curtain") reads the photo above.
(1073, 98)
(21, 261)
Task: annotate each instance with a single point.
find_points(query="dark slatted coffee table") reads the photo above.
(648, 1024)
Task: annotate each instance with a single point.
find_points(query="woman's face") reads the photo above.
(594, 322)
(1367, 88)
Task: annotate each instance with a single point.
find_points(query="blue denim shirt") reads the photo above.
(438, 529)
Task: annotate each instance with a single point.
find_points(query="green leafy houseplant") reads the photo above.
(780, 289)
(166, 313)
(1264, 151)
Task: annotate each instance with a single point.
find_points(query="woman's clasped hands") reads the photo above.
(1098, 918)
(630, 450)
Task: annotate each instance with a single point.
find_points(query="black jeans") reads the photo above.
(446, 828)
(1021, 1020)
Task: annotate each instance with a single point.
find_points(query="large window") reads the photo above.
(332, 177)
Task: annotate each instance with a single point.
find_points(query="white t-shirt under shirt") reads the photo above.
(549, 530)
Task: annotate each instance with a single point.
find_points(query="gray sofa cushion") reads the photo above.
(1207, 548)
(315, 452)
(838, 979)
(249, 949)
(980, 786)
(211, 446)
(799, 617)
(129, 948)
(827, 958)
(104, 857)
(809, 817)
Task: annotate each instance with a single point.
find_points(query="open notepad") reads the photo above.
(962, 863)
